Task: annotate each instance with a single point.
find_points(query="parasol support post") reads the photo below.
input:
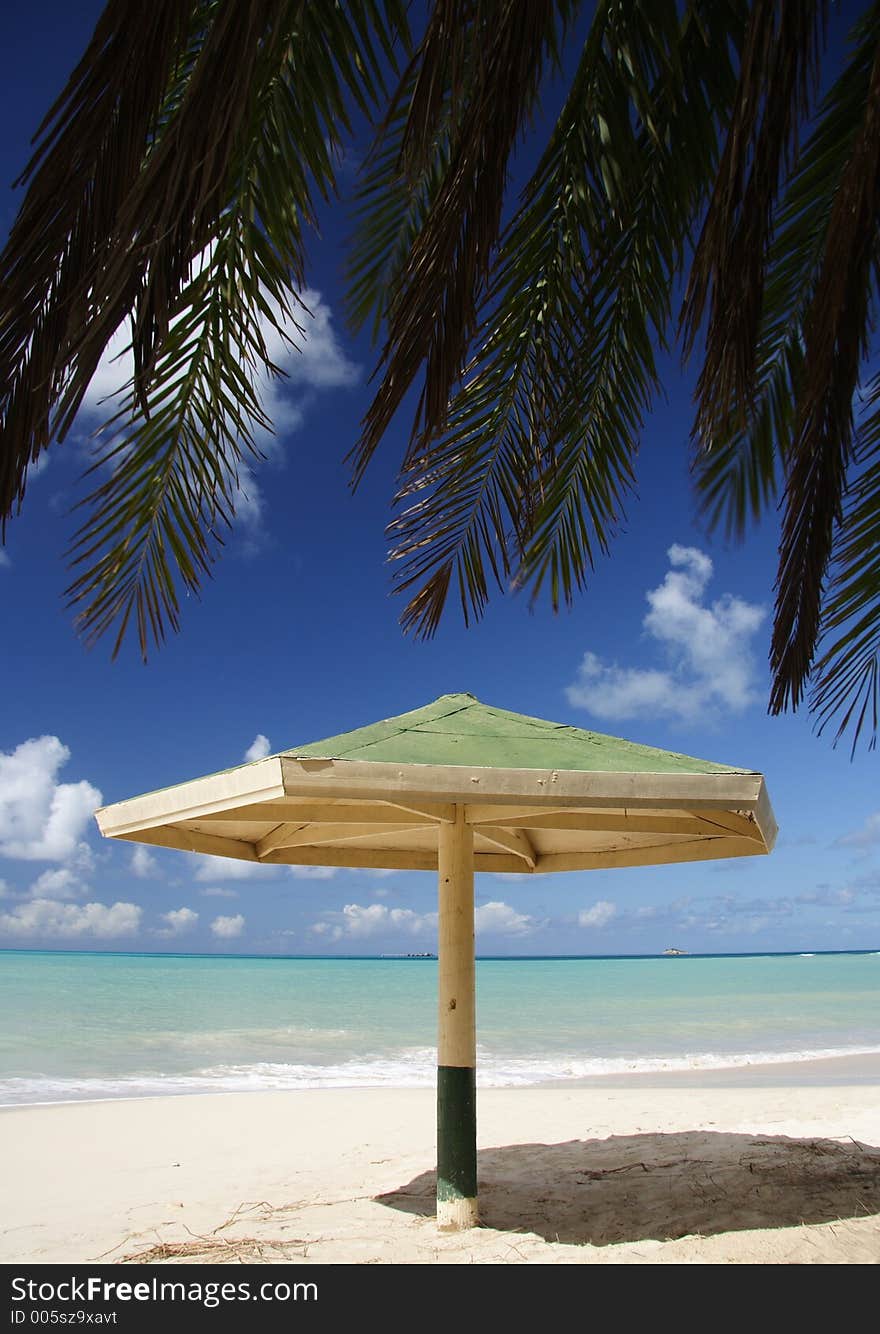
(456, 1044)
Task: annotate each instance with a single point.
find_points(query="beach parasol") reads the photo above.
(459, 786)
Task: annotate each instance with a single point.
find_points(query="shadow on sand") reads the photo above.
(638, 1187)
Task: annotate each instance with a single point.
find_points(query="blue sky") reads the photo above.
(296, 638)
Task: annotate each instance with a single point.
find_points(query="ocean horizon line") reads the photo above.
(424, 957)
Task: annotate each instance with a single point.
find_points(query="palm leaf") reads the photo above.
(836, 339)
(739, 476)
(169, 479)
(640, 249)
(846, 678)
(487, 58)
(93, 143)
(528, 479)
(390, 210)
(240, 127)
(738, 469)
(778, 69)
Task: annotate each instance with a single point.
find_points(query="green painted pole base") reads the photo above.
(456, 1147)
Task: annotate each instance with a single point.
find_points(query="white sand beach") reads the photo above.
(774, 1164)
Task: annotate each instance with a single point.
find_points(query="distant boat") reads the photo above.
(674, 951)
(408, 956)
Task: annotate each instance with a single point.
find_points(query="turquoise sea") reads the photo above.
(86, 1026)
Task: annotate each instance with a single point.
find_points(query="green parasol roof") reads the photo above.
(459, 729)
(539, 796)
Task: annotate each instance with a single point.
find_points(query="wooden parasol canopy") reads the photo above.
(459, 786)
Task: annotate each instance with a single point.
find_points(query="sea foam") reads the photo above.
(407, 1069)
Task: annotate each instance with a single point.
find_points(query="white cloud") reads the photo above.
(247, 502)
(826, 897)
(258, 749)
(362, 921)
(225, 928)
(82, 858)
(313, 872)
(499, 919)
(60, 883)
(39, 466)
(368, 920)
(321, 363)
(228, 868)
(599, 915)
(359, 922)
(867, 836)
(40, 818)
(49, 918)
(215, 892)
(711, 667)
(179, 920)
(143, 863)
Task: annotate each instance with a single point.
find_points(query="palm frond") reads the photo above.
(390, 209)
(846, 678)
(222, 169)
(91, 150)
(738, 470)
(488, 58)
(169, 479)
(685, 79)
(836, 334)
(464, 496)
(778, 72)
(529, 478)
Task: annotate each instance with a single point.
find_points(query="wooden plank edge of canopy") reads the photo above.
(258, 782)
(417, 786)
(467, 784)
